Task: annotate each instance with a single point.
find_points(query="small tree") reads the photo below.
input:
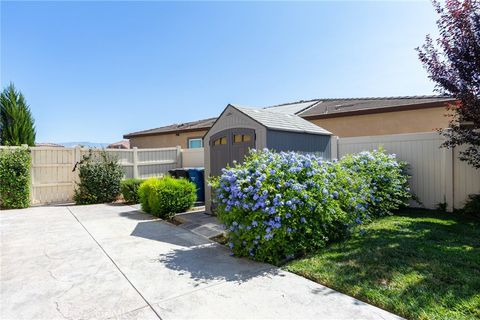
(453, 63)
(16, 121)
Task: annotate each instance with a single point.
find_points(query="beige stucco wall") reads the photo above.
(165, 140)
(410, 121)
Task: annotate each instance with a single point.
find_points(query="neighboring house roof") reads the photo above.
(48, 144)
(282, 121)
(124, 144)
(319, 108)
(198, 125)
(292, 108)
(337, 107)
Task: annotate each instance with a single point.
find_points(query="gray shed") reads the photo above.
(239, 129)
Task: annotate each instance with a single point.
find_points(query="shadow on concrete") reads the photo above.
(199, 258)
(137, 215)
(213, 262)
(161, 231)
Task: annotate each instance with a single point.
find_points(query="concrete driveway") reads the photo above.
(114, 262)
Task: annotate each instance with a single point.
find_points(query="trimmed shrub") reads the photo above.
(167, 196)
(129, 190)
(278, 205)
(144, 190)
(14, 178)
(385, 176)
(100, 178)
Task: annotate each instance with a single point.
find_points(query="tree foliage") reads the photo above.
(16, 121)
(453, 63)
(100, 177)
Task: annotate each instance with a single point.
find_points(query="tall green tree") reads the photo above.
(17, 126)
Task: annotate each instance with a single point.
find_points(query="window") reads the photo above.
(219, 141)
(195, 143)
(237, 138)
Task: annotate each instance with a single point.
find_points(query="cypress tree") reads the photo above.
(16, 121)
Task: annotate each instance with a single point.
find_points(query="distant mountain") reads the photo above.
(84, 144)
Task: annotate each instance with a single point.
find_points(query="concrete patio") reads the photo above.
(115, 262)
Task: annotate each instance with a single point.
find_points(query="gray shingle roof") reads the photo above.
(282, 121)
(337, 106)
(204, 124)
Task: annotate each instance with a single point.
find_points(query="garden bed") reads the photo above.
(417, 264)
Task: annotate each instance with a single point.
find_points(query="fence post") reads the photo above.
(32, 183)
(448, 172)
(135, 162)
(77, 157)
(179, 157)
(334, 147)
(77, 154)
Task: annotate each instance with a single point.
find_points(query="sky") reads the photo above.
(93, 71)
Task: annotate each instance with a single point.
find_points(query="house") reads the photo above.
(350, 117)
(124, 144)
(187, 135)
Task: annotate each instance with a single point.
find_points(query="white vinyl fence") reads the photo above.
(437, 174)
(53, 179)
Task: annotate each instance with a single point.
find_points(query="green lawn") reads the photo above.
(417, 264)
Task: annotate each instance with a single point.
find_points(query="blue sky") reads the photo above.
(92, 71)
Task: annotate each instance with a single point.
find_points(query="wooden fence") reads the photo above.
(438, 175)
(53, 179)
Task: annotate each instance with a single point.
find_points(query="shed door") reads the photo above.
(229, 145)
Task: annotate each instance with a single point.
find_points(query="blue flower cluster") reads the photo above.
(386, 177)
(276, 205)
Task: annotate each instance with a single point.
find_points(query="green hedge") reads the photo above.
(14, 178)
(100, 178)
(129, 189)
(166, 196)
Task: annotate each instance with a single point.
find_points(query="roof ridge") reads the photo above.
(425, 96)
(169, 125)
(391, 97)
(255, 114)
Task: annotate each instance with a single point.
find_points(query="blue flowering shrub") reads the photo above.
(385, 176)
(277, 205)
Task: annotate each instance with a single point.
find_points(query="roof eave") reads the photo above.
(441, 104)
(145, 134)
(326, 133)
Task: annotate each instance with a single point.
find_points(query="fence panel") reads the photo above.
(52, 179)
(155, 162)
(466, 179)
(437, 174)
